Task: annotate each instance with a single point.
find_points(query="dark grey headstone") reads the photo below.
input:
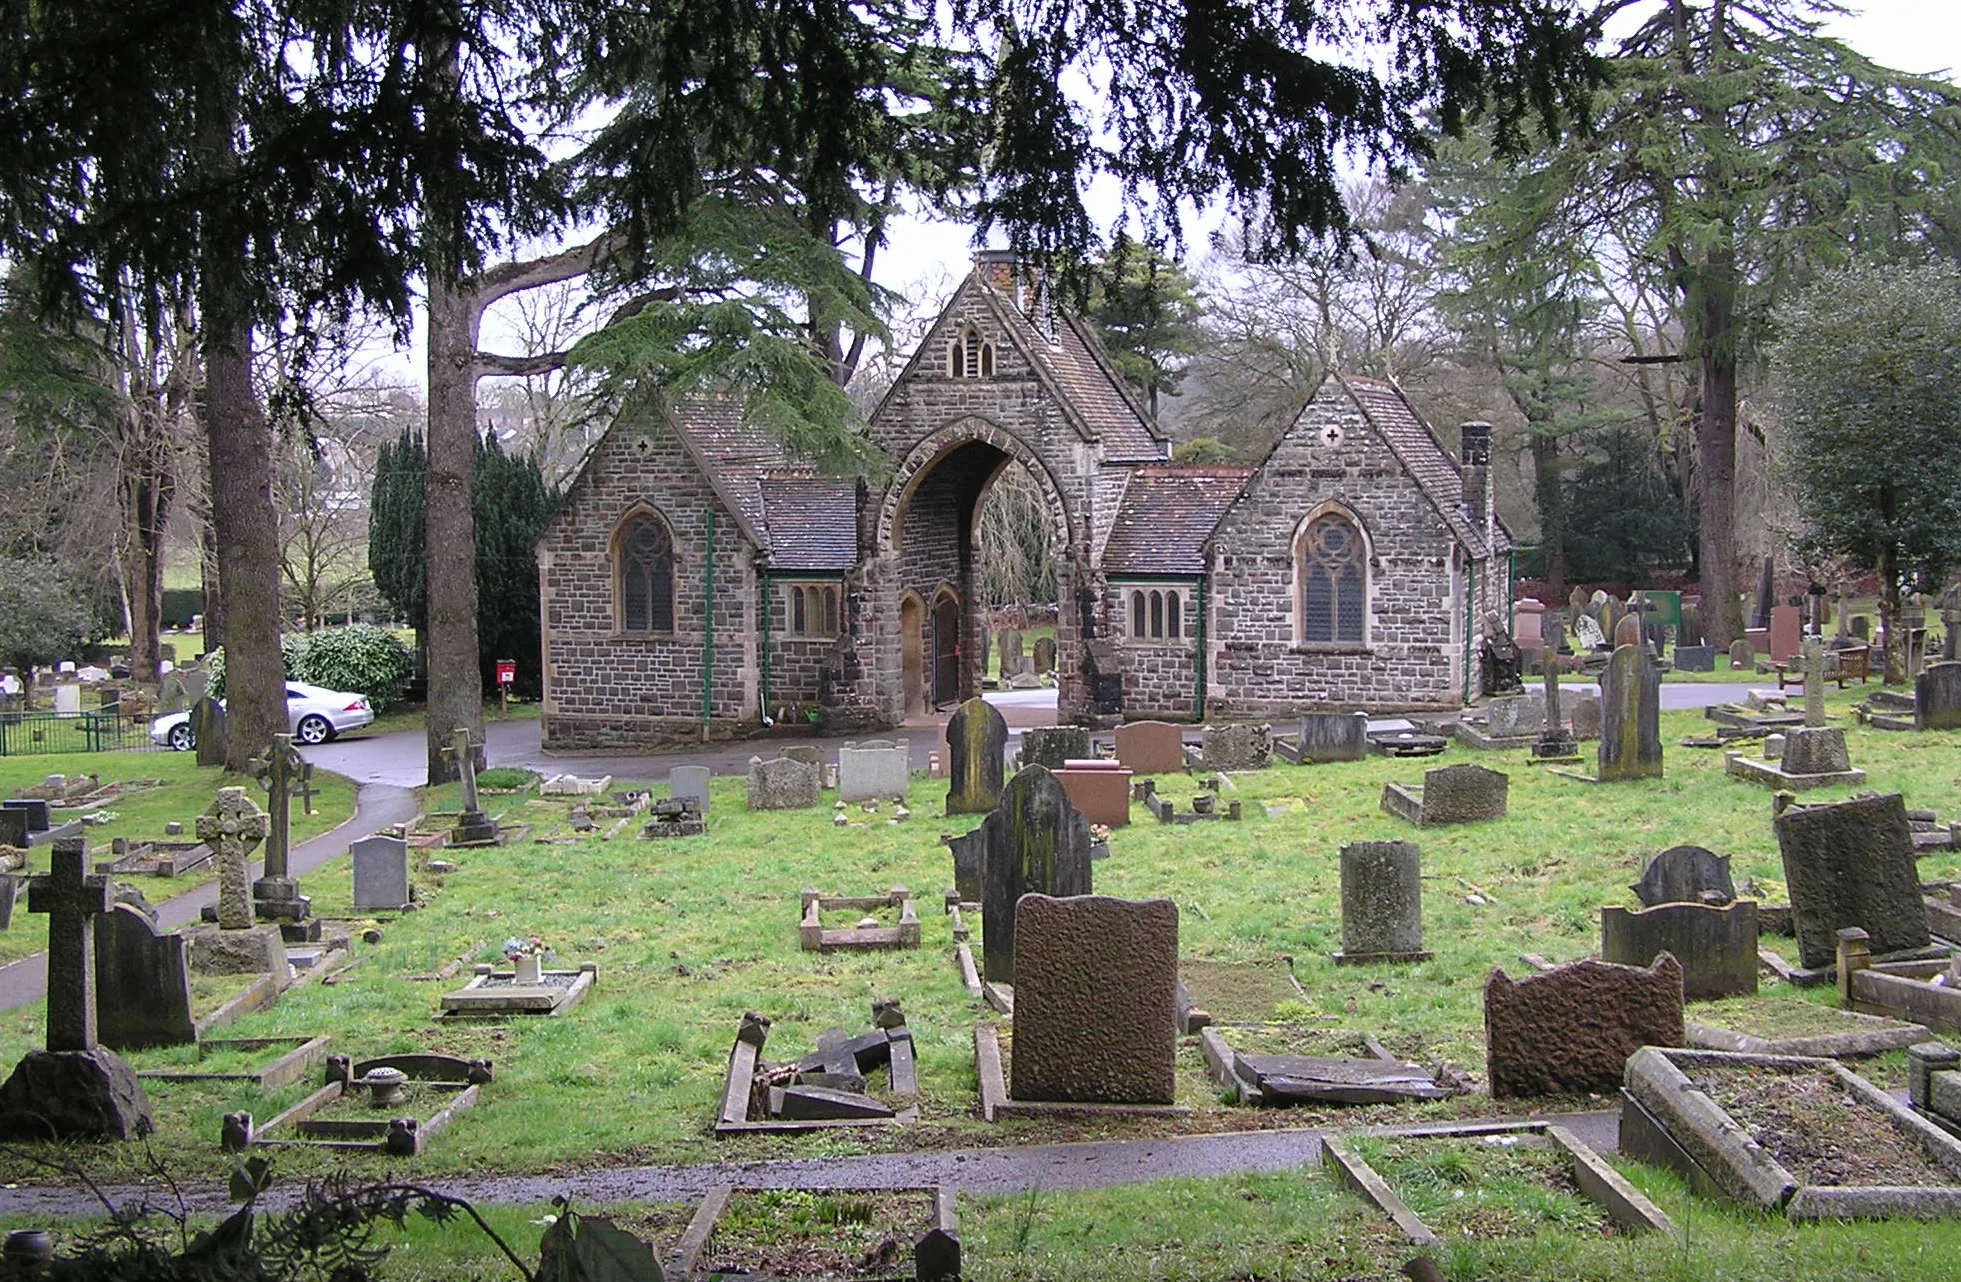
(977, 746)
(1630, 717)
(208, 727)
(39, 817)
(381, 873)
(1381, 898)
(1044, 655)
(1937, 697)
(1051, 746)
(1685, 875)
(1516, 714)
(1716, 946)
(1852, 864)
(1096, 1000)
(142, 983)
(1036, 843)
(1742, 655)
(969, 858)
(690, 783)
(1695, 658)
(1334, 736)
(13, 829)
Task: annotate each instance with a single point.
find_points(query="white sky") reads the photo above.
(924, 258)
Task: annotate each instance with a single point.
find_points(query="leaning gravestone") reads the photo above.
(208, 731)
(1151, 747)
(1096, 1000)
(1570, 1030)
(1517, 714)
(381, 873)
(1052, 745)
(142, 983)
(76, 1088)
(809, 754)
(977, 746)
(1237, 747)
(969, 857)
(14, 828)
(689, 783)
(1685, 875)
(1852, 864)
(1937, 697)
(875, 771)
(1630, 717)
(1381, 902)
(1717, 947)
(1034, 843)
(782, 784)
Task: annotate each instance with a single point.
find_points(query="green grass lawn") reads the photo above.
(689, 934)
(182, 789)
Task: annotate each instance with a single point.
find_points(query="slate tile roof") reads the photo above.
(1422, 455)
(797, 518)
(1165, 517)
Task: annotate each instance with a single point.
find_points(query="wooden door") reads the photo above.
(946, 651)
(912, 653)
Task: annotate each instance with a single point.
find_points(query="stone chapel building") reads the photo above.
(698, 577)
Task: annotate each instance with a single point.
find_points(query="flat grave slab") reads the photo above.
(895, 907)
(163, 857)
(833, 1086)
(1528, 1151)
(395, 1105)
(1923, 990)
(262, 1061)
(867, 1225)
(1274, 1065)
(1789, 1025)
(493, 994)
(1215, 992)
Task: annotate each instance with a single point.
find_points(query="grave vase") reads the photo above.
(530, 968)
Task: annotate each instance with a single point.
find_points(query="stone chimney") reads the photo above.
(1476, 450)
(1023, 283)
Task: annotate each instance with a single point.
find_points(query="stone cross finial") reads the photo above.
(464, 755)
(70, 896)
(276, 771)
(1812, 651)
(232, 827)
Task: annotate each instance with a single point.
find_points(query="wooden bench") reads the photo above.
(1852, 663)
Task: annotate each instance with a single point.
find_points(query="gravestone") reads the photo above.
(1151, 747)
(473, 826)
(75, 1088)
(1627, 631)
(1937, 697)
(1570, 1030)
(142, 983)
(873, 773)
(1096, 1000)
(276, 896)
(1099, 789)
(1587, 633)
(1717, 947)
(782, 783)
(1630, 717)
(1009, 645)
(986, 649)
(1685, 875)
(809, 754)
(208, 730)
(40, 818)
(1381, 902)
(1742, 655)
(1695, 658)
(1851, 864)
(1052, 745)
(1334, 736)
(381, 873)
(1527, 629)
(14, 830)
(1815, 750)
(68, 700)
(1518, 714)
(1555, 741)
(1035, 843)
(1044, 655)
(1786, 628)
(977, 746)
(1237, 747)
(689, 783)
(1450, 795)
(232, 826)
(969, 858)
(1812, 653)
(1576, 601)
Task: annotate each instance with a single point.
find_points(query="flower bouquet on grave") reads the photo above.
(528, 955)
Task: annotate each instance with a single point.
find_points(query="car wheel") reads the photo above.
(181, 738)
(314, 729)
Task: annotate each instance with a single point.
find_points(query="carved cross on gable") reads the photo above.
(276, 771)
(70, 896)
(1331, 435)
(464, 755)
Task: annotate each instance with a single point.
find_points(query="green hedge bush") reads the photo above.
(360, 658)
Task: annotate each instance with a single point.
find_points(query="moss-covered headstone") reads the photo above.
(1036, 843)
(977, 746)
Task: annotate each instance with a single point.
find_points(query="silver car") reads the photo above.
(315, 714)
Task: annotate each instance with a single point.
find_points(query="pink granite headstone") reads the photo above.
(1786, 631)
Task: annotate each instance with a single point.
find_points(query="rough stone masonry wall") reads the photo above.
(1160, 673)
(796, 662)
(609, 689)
(1409, 658)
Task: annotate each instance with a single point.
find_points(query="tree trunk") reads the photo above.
(1716, 448)
(449, 525)
(147, 494)
(1890, 624)
(1550, 498)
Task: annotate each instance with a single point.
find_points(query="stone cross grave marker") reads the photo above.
(1555, 740)
(71, 897)
(1812, 650)
(473, 826)
(277, 893)
(232, 826)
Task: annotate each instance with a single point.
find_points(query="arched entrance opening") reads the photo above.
(935, 522)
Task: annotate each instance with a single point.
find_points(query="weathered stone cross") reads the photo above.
(275, 772)
(306, 787)
(1812, 651)
(465, 757)
(70, 896)
(1551, 634)
(232, 827)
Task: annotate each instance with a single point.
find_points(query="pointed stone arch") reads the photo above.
(930, 450)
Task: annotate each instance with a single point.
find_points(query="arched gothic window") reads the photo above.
(645, 591)
(1155, 615)
(1331, 569)
(970, 356)
(813, 609)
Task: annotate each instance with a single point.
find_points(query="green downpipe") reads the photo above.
(708, 628)
(1198, 695)
(763, 575)
(1470, 632)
